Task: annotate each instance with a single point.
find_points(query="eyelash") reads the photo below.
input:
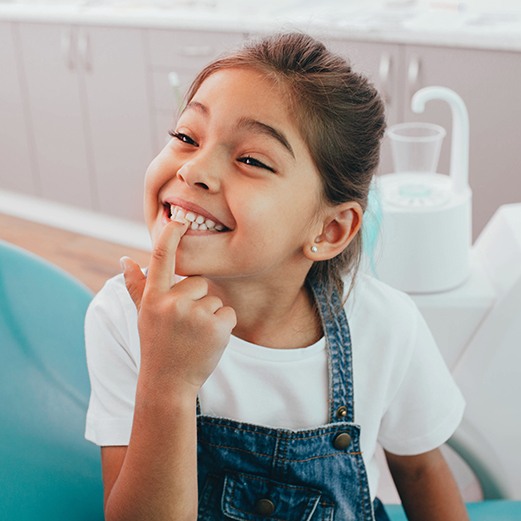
(247, 160)
(182, 137)
(251, 161)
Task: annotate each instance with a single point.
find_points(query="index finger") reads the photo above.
(162, 260)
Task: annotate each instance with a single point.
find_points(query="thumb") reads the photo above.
(135, 280)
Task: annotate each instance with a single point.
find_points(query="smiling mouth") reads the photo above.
(197, 222)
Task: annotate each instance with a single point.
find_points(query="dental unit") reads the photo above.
(470, 296)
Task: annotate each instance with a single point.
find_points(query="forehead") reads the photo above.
(245, 92)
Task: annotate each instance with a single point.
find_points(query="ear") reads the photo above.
(339, 226)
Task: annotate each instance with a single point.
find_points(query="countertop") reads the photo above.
(444, 24)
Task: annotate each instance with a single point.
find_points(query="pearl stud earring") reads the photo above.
(314, 249)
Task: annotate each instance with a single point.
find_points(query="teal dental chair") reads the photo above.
(490, 510)
(48, 471)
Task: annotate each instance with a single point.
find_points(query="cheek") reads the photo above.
(152, 178)
(160, 170)
(156, 177)
(150, 204)
(154, 230)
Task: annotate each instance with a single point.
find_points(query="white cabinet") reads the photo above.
(87, 94)
(17, 171)
(488, 83)
(175, 57)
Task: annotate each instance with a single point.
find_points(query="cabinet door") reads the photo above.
(382, 64)
(56, 111)
(488, 82)
(175, 57)
(16, 168)
(115, 80)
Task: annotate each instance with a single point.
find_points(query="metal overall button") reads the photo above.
(264, 507)
(342, 441)
(341, 412)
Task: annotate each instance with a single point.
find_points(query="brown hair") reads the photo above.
(339, 114)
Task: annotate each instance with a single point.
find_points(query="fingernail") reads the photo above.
(123, 263)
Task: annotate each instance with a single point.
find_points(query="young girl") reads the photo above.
(247, 374)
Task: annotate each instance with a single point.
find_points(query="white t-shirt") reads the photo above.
(405, 398)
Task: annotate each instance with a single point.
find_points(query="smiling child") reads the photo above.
(250, 371)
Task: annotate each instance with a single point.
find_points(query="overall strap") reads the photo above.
(338, 344)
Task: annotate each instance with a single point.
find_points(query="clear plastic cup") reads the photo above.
(416, 146)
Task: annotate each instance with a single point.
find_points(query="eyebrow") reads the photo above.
(249, 124)
(197, 106)
(263, 128)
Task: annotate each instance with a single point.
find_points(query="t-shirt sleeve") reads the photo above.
(111, 361)
(427, 406)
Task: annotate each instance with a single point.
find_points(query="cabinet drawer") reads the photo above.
(163, 122)
(166, 96)
(188, 49)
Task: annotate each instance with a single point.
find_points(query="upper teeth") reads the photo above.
(198, 222)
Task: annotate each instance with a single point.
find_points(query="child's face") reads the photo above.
(237, 159)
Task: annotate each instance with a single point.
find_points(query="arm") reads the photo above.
(426, 487)
(155, 477)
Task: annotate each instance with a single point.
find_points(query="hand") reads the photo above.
(183, 330)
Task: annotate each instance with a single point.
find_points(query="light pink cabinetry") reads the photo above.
(57, 112)
(88, 107)
(116, 89)
(16, 168)
(85, 108)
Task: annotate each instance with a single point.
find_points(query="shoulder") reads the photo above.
(387, 329)
(386, 307)
(112, 297)
(397, 369)
(113, 359)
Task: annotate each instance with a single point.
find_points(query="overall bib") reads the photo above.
(253, 473)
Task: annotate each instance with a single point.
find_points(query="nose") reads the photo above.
(199, 173)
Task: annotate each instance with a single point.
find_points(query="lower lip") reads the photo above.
(200, 232)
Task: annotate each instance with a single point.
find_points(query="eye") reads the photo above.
(251, 161)
(182, 137)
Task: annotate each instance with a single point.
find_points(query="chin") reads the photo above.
(183, 268)
(189, 269)
(183, 273)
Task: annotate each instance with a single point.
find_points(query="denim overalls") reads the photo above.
(250, 472)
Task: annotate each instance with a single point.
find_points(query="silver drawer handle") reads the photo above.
(84, 50)
(384, 71)
(67, 48)
(175, 83)
(413, 74)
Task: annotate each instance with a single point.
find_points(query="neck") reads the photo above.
(278, 316)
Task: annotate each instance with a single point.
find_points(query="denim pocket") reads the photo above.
(252, 498)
